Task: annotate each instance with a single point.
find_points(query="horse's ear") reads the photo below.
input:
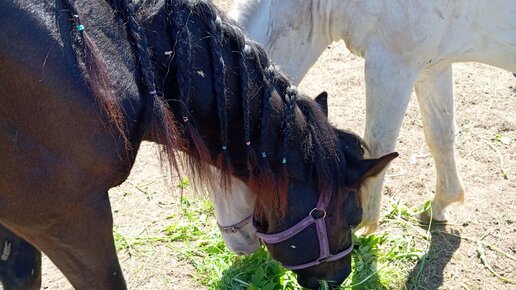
(322, 100)
(371, 167)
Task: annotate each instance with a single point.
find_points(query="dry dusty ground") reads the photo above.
(485, 98)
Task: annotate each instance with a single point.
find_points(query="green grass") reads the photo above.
(216, 266)
(380, 261)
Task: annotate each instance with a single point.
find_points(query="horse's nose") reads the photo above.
(312, 282)
(334, 275)
(306, 281)
(240, 253)
(241, 248)
(242, 241)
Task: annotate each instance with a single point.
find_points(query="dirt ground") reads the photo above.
(485, 99)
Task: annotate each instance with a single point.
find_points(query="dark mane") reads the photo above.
(95, 70)
(155, 114)
(258, 77)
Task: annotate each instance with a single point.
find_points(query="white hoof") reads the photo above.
(367, 227)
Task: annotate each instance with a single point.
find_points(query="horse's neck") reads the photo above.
(352, 21)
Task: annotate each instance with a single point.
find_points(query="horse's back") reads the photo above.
(433, 32)
(482, 31)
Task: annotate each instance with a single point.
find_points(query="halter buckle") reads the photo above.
(324, 259)
(229, 230)
(236, 227)
(314, 209)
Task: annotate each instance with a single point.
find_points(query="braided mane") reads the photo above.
(258, 78)
(155, 114)
(263, 94)
(94, 68)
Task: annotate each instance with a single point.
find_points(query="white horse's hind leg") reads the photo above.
(389, 83)
(434, 90)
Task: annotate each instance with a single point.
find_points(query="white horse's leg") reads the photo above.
(389, 83)
(434, 90)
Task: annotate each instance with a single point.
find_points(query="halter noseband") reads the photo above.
(322, 235)
(237, 228)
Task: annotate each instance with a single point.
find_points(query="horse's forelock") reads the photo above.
(323, 148)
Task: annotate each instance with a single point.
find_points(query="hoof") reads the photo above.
(367, 228)
(440, 216)
(439, 211)
(424, 218)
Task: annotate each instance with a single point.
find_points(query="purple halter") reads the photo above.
(322, 235)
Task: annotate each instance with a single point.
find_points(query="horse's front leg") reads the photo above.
(20, 262)
(76, 233)
(389, 82)
(434, 90)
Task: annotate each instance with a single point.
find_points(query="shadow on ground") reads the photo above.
(428, 273)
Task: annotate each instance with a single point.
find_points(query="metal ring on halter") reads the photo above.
(314, 209)
(321, 231)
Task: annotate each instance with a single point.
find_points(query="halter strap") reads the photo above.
(329, 258)
(322, 235)
(237, 228)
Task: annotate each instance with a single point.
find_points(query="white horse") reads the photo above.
(405, 44)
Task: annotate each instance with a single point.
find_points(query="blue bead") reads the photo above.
(80, 27)
(224, 147)
(284, 161)
(264, 155)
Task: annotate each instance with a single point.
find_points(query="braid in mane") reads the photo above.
(257, 75)
(290, 105)
(182, 59)
(88, 57)
(244, 50)
(155, 110)
(269, 83)
(262, 180)
(216, 38)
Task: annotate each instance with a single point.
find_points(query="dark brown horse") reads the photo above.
(82, 84)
